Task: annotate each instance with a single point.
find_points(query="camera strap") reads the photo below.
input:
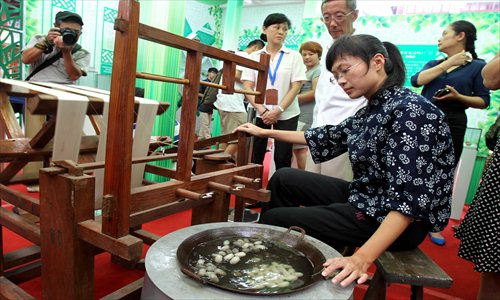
(50, 61)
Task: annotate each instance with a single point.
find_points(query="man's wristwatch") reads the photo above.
(281, 108)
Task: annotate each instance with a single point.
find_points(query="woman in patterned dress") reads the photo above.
(402, 157)
(479, 233)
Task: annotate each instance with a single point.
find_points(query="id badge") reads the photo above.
(271, 97)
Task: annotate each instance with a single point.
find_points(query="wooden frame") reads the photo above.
(69, 233)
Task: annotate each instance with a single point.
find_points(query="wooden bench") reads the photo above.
(407, 267)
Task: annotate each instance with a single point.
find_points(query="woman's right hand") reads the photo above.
(250, 129)
(458, 59)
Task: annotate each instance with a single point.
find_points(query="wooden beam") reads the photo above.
(188, 116)
(26, 179)
(261, 195)
(127, 247)
(99, 165)
(8, 119)
(9, 291)
(20, 225)
(147, 237)
(162, 171)
(18, 199)
(159, 36)
(117, 173)
(24, 273)
(21, 256)
(164, 210)
(41, 106)
(151, 196)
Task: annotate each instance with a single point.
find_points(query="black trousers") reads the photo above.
(282, 150)
(318, 204)
(457, 121)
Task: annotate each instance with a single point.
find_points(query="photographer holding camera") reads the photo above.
(56, 57)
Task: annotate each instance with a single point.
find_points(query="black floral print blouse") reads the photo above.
(401, 153)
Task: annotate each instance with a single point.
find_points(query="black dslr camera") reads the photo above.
(69, 36)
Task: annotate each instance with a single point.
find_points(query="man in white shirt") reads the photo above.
(231, 107)
(333, 105)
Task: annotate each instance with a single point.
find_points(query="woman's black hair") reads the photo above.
(470, 35)
(365, 47)
(276, 18)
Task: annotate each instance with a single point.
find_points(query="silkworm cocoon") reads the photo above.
(234, 260)
(218, 258)
(212, 277)
(202, 272)
(228, 257)
(240, 254)
(210, 268)
(219, 272)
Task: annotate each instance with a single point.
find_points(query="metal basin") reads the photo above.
(289, 248)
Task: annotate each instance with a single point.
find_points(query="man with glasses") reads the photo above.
(57, 57)
(333, 105)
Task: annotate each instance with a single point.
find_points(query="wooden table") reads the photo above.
(164, 279)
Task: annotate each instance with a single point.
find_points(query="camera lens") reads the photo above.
(69, 37)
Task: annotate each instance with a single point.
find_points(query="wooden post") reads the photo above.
(68, 262)
(117, 173)
(262, 79)
(214, 211)
(228, 75)
(9, 125)
(1, 251)
(188, 116)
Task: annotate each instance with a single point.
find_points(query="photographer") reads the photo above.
(57, 57)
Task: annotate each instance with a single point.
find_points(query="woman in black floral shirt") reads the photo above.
(402, 158)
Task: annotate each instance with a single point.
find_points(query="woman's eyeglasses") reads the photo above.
(340, 74)
(338, 17)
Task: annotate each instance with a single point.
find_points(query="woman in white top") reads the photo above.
(285, 76)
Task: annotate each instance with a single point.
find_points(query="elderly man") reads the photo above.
(333, 105)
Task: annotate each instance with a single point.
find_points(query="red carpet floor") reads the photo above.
(109, 277)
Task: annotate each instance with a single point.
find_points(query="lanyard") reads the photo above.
(272, 76)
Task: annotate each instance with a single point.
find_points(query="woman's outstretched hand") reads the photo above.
(250, 129)
(353, 268)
